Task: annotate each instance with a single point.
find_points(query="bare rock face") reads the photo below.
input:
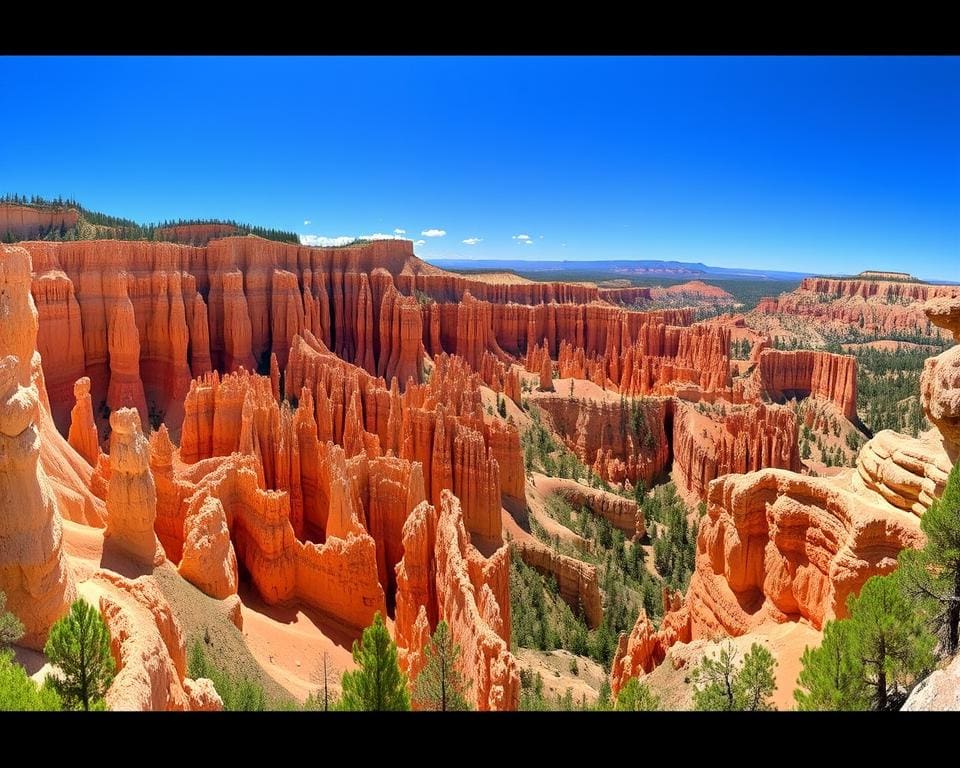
(645, 647)
(606, 436)
(940, 382)
(209, 562)
(743, 439)
(148, 648)
(940, 692)
(26, 221)
(416, 597)
(132, 494)
(83, 429)
(123, 343)
(621, 512)
(33, 570)
(782, 375)
(473, 600)
(775, 544)
(906, 472)
(877, 306)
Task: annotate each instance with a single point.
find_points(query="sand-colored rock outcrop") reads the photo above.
(621, 512)
(940, 692)
(132, 494)
(33, 570)
(83, 429)
(776, 545)
(940, 381)
(907, 472)
(209, 562)
(148, 647)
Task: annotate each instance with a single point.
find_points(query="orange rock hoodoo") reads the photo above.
(302, 441)
(742, 440)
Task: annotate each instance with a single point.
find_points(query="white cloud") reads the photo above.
(399, 231)
(325, 242)
(528, 242)
(378, 236)
(541, 237)
(420, 242)
(306, 222)
(434, 232)
(472, 240)
(521, 237)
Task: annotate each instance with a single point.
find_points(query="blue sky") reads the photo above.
(819, 164)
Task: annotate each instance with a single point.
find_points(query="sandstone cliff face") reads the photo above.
(148, 648)
(804, 373)
(742, 440)
(777, 545)
(24, 222)
(473, 599)
(904, 471)
(33, 571)
(621, 512)
(876, 306)
(604, 435)
(940, 382)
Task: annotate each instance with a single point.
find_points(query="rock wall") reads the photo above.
(743, 439)
(24, 222)
(876, 306)
(782, 376)
(33, 570)
(604, 435)
(473, 598)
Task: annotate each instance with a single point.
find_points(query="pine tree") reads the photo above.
(18, 693)
(755, 682)
(440, 687)
(79, 646)
(871, 659)
(636, 697)
(323, 675)
(932, 574)
(892, 645)
(719, 685)
(11, 629)
(832, 675)
(714, 681)
(378, 685)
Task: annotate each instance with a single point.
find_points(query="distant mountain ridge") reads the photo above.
(624, 267)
